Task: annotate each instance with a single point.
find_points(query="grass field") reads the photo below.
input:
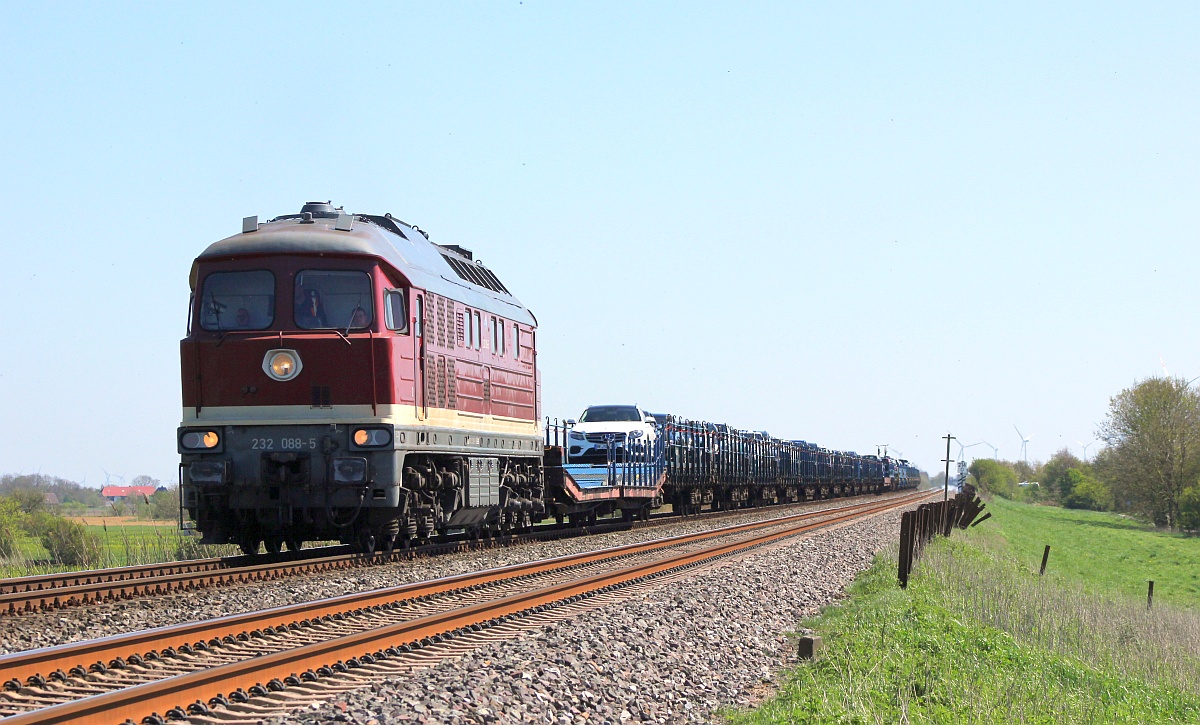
(125, 541)
(1105, 551)
(979, 637)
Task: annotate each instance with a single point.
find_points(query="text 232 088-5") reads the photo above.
(282, 444)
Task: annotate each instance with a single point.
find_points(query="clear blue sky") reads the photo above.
(853, 223)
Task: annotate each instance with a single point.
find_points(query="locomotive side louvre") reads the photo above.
(371, 426)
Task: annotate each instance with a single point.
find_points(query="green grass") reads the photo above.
(122, 545)
(979, 637)
(1108, 552)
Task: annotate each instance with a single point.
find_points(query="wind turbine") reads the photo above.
(1085, 446)
(1024, 440)
(962, 449)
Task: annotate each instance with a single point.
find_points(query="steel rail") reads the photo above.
(25, 664)
(41, 582)
(140, 701)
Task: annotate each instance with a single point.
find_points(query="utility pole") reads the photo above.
(946, 488)
(946, 483)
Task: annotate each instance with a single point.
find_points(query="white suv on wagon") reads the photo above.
(588, 439)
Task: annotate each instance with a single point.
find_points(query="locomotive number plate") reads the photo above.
(282, 444)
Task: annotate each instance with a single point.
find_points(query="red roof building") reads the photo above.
(113, 493)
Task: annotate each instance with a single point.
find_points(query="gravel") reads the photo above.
(676, 653)
(44, 629)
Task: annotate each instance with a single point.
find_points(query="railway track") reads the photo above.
(43, 582)
(247, 666)
(53, 591)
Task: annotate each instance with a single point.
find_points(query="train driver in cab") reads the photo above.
(310, 313)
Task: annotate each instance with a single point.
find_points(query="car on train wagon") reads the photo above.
(602, 426)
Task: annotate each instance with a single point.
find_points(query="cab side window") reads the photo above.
(395, 312)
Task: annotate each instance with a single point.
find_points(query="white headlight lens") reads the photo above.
(282, 364)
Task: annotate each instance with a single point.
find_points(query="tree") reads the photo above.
(144, 480)
(1025, 470)
(1052, 473)
(165, 504)
(1189, 509)
(1153, 434)
(995, 477)
(30, 500)
(67, 491)
(1085, 492)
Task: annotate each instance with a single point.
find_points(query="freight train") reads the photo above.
(346, 378)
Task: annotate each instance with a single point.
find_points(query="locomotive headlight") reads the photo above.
(282, 364)
(372, 437)
(199, 440)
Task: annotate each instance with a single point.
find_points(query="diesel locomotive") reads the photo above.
(345, 378)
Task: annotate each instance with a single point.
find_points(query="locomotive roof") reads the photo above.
(448, 271)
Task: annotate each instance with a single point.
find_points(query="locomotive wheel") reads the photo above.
(249, 546)
(273, 544)
(366, 542)
(294, 544)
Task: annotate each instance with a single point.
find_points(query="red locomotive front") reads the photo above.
(345, 378)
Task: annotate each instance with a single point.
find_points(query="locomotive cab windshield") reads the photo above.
(238, 301)
(333, 299)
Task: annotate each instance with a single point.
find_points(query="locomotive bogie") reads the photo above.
(355, 482)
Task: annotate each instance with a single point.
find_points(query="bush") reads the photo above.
(996, 478)
(11, 518)
(166, 503)
(67, 542)
(1086, 492)
(1189, 509)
